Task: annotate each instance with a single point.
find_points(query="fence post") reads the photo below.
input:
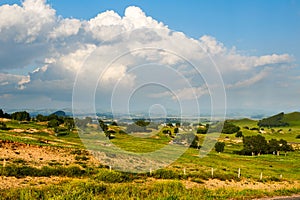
(239, 173)
(212, 172)
(184, 171)
(261, 175)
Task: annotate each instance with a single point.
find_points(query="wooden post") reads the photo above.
(110, 168)
(150, 171)
(280, 176)
(212, 172)
(184, 171)
(239, 173)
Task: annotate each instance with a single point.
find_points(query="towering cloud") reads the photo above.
(33, 35)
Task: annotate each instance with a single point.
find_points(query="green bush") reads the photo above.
(22, 171)
(113, 176)
(166, 174)
(219, 146)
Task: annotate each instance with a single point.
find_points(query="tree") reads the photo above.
(239, 134)
(230, 128)
(142, 122)
(41, 118)
(114, 123)
(4, 115)
(273, 146)
(219, 147)
(21, 116)
(53, 123)
(284, 146)
(255, 145)
(103, 126)
(176, 130)
(202, 130)
(69, 123)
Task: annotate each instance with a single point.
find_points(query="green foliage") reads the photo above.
(239, 134)
(41, 118)
(176, 130)
(21, 116)
(53, 123)
(3, 126)
(113, 176)
(259, 145)
(166, 174)
(219, 146)
(230, 128)
(4, 115)
(273, 121)
(254, 144)
(202, 130)
(142, 122)
(24, 170)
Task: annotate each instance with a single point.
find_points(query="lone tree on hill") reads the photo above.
(219, 147)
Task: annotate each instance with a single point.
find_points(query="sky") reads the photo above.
(160, 57)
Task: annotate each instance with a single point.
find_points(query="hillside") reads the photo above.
(292, 118)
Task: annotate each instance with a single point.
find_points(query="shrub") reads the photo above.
(3, 126)
(219, 146)
(166, 174)
(113, 176)
(239, 134)
(229, 128)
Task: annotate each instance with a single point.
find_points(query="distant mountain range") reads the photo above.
(233, 113)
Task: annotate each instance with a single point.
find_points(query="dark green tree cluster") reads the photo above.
(21, 116)
(219, 146)
(256, 145)
(230, 128)
(4, 114)
(202, 129)
(274, 121)
(239, 134)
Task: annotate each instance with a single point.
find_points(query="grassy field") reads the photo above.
(35, 163)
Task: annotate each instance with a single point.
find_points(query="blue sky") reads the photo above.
(255, 45)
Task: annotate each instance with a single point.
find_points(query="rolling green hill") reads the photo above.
(292, 118)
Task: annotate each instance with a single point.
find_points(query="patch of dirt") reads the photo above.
(13, 182)
(37, 156)
(17, 130)
(243, 184)
(4, 120)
